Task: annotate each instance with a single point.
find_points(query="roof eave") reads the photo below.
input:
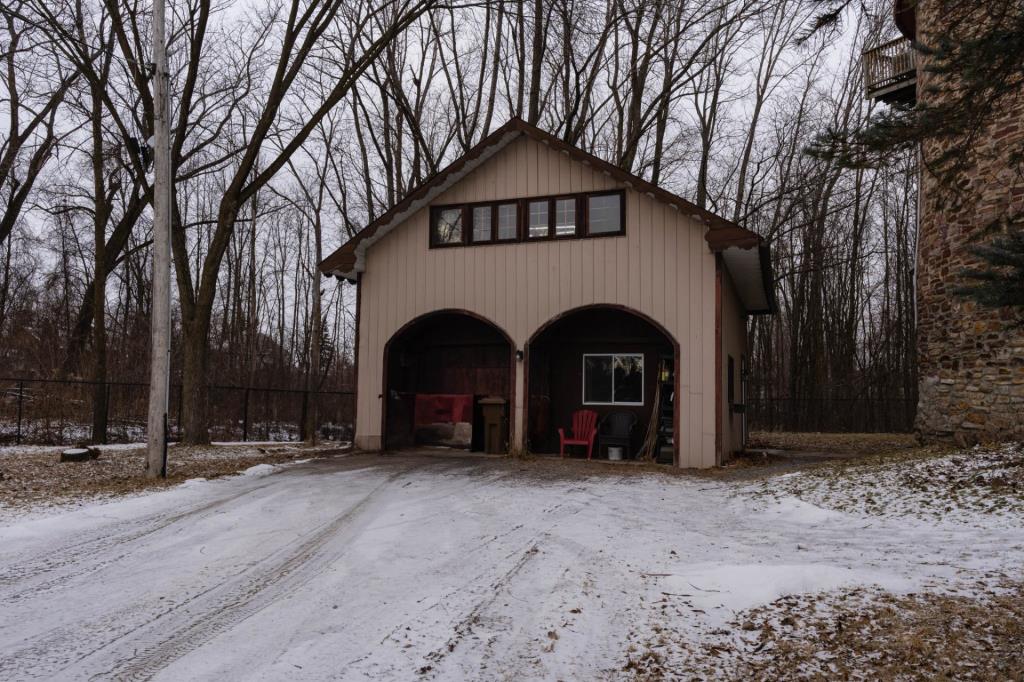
(750, 269)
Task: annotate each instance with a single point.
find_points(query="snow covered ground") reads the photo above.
(445, 568)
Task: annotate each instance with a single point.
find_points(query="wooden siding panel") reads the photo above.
(637, 213)
(587, 256)
(671, 289)
(734, 344)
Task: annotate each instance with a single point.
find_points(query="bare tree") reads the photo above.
(35, 85)
(329, 34)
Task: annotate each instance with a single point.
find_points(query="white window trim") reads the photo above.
(643, 378)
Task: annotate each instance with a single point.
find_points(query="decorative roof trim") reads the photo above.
(349, 260)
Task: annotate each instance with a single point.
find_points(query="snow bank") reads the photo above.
(260, 470)
(981, 486)
(729, 588)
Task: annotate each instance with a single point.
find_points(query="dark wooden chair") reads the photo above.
(616, 429)
(584, 431)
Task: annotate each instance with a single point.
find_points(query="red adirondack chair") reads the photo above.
(584, 431)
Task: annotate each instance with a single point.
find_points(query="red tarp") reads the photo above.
(441, 409)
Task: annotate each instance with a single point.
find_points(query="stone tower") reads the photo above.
(970, 358)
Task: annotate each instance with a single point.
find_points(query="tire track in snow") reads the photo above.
(86, 556)
(465, 625)
(60, 650)
(157, 649)
(494, 589)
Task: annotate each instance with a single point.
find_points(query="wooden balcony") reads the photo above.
(890, 72)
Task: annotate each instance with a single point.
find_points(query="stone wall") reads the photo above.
(971, 358)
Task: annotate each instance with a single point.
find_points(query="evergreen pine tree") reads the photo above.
(1000, 282)
(979, 64)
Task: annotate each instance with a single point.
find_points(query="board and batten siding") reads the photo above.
(734, 344)
(661, 268)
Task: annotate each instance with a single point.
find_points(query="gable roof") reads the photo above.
(349, 260)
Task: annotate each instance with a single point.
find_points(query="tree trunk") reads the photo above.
(195, 424)
(313, 377)
(101, 212)
(536, 60)
(313, 374)
(99, 347)
(5, 284)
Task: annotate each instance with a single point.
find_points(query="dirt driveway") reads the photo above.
(403, 568)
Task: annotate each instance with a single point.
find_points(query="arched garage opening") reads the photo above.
(437, 369)
(609, 359)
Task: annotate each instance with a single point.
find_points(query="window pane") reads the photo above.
(565, 217)
(597, 378)
(448, 226)
(482, 224)
(538, 219)
(507, 215)
(605, 213)
(629, 378)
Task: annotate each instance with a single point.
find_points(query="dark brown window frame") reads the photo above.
(471, 212)
(434, 212)
(495, 210)
(523, 219)
(622, 214)
(526, 218)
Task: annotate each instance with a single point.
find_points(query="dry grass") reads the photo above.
(858, 634)
(926, 483)
(34, 477)
(833, 443)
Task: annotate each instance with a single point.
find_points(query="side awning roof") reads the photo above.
(748, 260)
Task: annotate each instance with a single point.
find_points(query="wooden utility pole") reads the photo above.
(160, 323)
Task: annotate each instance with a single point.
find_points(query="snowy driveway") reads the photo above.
(434, 568)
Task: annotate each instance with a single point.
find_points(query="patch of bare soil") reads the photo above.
(34, 477)
(833, 443)
(858, 634)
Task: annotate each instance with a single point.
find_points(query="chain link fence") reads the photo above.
(60, 412)
(832, 415)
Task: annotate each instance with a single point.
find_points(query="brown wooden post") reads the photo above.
(181, 395)
(266, 415)
(106, 411)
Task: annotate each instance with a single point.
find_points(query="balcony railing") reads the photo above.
(890, 71)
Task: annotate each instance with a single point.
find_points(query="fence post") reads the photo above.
(106, 411)
(21, 398)
(266, 415)
(302, 417)
(245, 416)
(181, 396)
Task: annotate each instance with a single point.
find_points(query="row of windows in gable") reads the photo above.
(597, 214)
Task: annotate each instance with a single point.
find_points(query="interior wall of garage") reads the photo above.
(450, 353)
(555, 366)
(661, 268)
